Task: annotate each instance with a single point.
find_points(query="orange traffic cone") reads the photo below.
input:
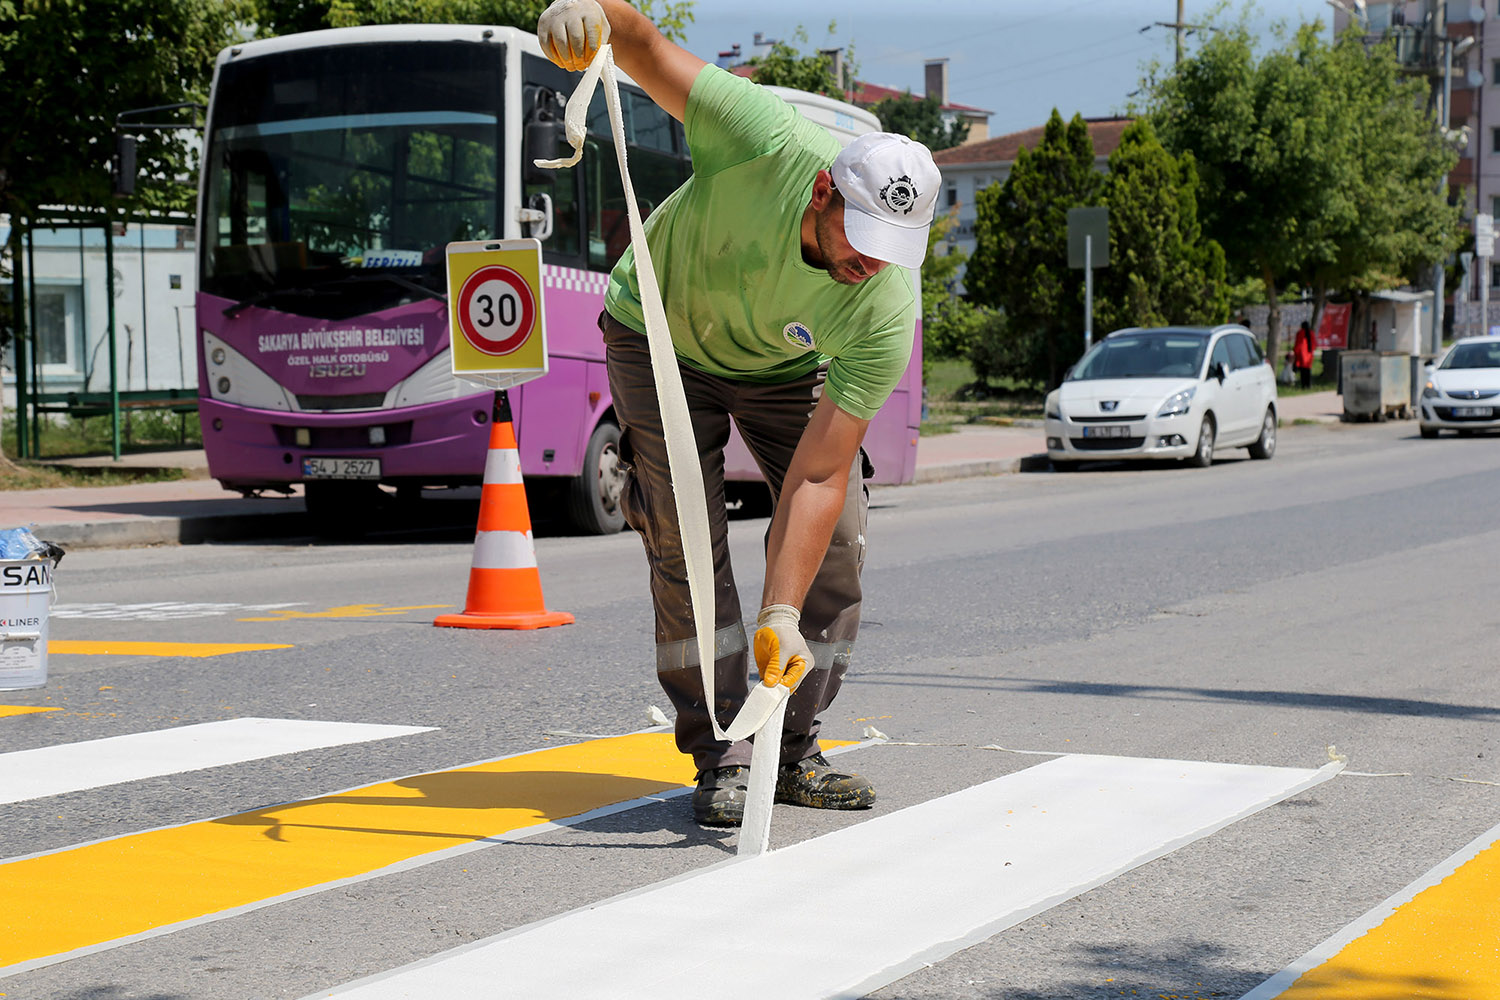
(505, 590)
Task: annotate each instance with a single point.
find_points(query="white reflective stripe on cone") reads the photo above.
(502, 465)
(504, 550)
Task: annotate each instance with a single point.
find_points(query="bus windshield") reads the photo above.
(338, 174)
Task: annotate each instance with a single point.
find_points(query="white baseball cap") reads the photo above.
(890, 188)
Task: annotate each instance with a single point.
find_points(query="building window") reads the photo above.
(1495, 69)
(1495, 206)
(59, 328)
(952, 194)
(1495, 140)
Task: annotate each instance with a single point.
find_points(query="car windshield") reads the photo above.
(1153, 355)
(1486, 355)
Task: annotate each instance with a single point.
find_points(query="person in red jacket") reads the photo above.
(1302, 355)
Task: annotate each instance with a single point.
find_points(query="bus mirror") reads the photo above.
(545, 139)
(124, 164)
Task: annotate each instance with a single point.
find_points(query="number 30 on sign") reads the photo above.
(495, 311)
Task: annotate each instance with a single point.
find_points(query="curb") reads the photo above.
(973, 470)
(173, 530)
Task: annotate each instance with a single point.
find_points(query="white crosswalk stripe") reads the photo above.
(71, 767)
(963, 866)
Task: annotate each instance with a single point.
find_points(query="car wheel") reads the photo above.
(594, 497)
(1265, 445)
(1428, 432)
(1204, 456)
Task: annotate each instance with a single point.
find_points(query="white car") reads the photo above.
(1463, 391)
(1166, 392)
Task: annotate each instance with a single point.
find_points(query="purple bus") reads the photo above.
(338, 166)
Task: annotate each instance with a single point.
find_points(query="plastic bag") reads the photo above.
(20, 543)
(1286, 377)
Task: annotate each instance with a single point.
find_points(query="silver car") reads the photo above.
(1463, 392)
(1166, 392)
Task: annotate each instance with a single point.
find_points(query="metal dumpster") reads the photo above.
(1377, 384)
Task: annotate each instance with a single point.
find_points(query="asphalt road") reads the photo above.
(1252, 613)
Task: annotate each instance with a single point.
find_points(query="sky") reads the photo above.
(1016, 58)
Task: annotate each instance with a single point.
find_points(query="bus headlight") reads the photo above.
(217, 356)
(223, 385)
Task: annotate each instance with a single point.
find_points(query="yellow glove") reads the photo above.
(571, 32)
(781, 654)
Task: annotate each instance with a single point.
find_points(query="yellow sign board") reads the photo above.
(495, 319)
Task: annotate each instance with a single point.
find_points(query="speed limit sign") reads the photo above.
(495, 311)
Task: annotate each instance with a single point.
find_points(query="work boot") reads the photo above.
(812, 782)
(719, 799)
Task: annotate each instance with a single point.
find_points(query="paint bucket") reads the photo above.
(25, 600)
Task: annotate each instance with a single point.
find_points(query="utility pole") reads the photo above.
(1178, 26)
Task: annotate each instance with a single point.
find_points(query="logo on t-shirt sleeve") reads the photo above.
(798, 335)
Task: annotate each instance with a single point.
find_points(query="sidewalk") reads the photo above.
(200, 510)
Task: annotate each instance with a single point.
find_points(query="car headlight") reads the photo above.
(1431, 392)
(1177, 403)
(1052, 409)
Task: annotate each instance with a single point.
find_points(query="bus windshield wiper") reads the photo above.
(395, 279)
(270, 293)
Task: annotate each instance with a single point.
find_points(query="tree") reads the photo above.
(1020, 261)
(921, 118)
(68, 69)
(1161, 271)
(1383, 227)
(281, 17)
(785, 66)
(1286, 148)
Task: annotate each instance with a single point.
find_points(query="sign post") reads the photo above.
(1484, 249)
(1088, 248)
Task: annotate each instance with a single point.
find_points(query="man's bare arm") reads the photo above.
(570, 32)
(812, 497)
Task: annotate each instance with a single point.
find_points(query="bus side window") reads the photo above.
(657, 168)
(543, 84)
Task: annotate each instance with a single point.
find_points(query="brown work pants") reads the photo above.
(771, 419)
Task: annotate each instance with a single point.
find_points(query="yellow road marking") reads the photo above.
(6, 710)
(89, 647)
(1443, 945)
(55, 903)
(345, 611)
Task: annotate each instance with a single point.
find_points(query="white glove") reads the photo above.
(571, 32)
(781, 654)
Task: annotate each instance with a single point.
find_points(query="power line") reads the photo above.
(1010, 26)
(1057, 69)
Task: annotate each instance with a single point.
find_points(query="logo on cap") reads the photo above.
(798, 336)
(899, 195)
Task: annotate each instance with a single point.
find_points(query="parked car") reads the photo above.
(1461, 390)
(1166, 392)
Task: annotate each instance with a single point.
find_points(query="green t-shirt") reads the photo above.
(727, 248)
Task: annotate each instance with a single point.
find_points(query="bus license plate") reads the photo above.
(1106, 431)
(341, 468)
(1473, 411)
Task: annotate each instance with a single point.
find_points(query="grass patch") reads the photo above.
(954, 397)
(27, 475)
(63, 436)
